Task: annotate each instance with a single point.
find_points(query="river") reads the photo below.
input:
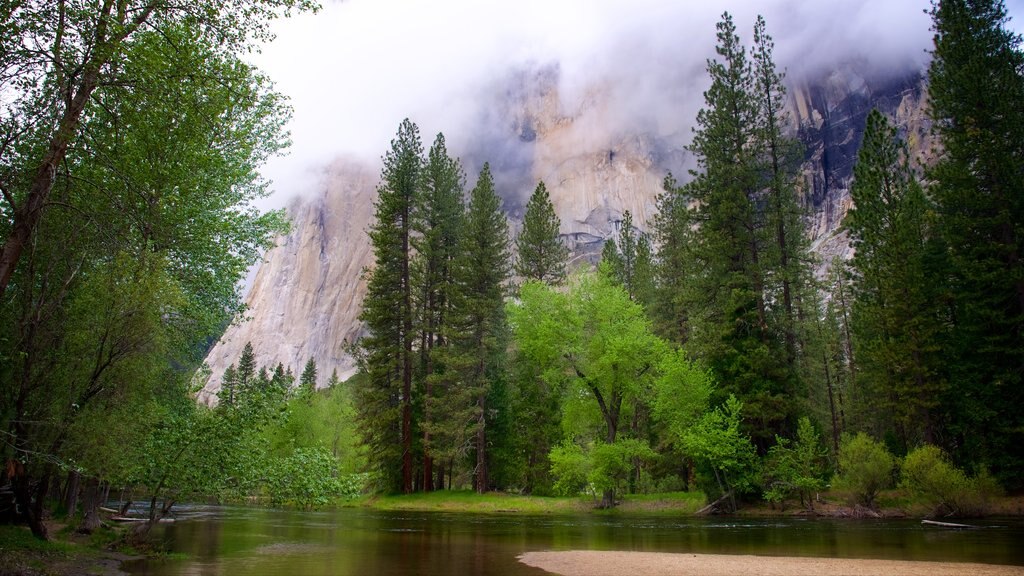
(254, 541)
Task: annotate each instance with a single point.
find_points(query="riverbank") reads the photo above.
(604, 563)
(891, 505)
(65, 554)
(675, 503)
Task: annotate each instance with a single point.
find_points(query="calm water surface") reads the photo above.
(232, 540)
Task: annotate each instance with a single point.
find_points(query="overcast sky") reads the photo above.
(357, 68)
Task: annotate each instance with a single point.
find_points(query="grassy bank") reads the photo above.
(66, 553)
(497, 502)
(891, 504)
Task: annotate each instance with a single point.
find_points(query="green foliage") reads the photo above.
(929, 476)
(896, 316)
(307, 478)
(865, 468)
(597, 344)
(717, 441)
(732, 258)
(384, 399)
(798, 467)
(540, 254)
(976, 98)
(571, 468)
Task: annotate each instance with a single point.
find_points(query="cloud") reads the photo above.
(357, 68)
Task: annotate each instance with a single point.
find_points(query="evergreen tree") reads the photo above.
(384, 399)
(246, 375)
(725, 292)
(540, 253)
(976, 93)
(673, 237)
(630, 260)
(780, 156)
(307, 381)
(228, 393)
(894, 315)
(437, 220)
(476, 333)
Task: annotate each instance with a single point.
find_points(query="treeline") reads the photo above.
(130, 138)
(708, 351)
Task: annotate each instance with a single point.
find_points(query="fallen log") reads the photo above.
(134, 519)
(946, 524)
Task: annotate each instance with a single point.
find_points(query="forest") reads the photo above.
(703, 354)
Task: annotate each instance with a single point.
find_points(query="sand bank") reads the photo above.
(600, 563)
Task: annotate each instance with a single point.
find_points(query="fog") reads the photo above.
(357, 68)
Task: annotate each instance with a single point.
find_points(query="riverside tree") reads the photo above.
(438, 220)
(598, 344)
(475, 334)
(64, 56)
(976, 96)
(896, 316)
(385, 398)
(151, 222)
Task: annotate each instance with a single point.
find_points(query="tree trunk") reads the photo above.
(93, 499)
(481, 446)
(71, 493)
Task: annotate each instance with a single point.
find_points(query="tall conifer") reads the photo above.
(476, 340)
(976, 93)
(894, 314)
(437, 220)
(385, 399)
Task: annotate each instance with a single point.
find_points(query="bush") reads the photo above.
(929, 476)
(307, 478)
(865, 468)
(795, 467)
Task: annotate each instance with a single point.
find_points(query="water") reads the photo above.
(252, 541)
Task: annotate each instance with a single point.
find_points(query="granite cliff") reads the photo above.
(307, 294)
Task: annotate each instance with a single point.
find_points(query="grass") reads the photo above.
(496, 502)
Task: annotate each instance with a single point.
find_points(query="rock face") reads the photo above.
(307, 295)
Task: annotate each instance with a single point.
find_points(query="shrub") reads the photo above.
(865, 468)
(795, 467)
(929, 476)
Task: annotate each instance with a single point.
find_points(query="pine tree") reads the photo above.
(476, 333)
(247, 371)
(780, 156)
(228, 394)
(437, 220)
(540, 253)
(725, 290)
(673, 237)
(307, 381)
(630, 261)
(894, 315)
(384, 400)
(976, 93)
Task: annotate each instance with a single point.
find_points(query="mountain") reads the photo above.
(306, 297)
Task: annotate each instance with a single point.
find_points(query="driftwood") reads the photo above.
(707, 509)
(946, 524)
(135, 519)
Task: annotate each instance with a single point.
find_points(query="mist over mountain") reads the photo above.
(598, 156)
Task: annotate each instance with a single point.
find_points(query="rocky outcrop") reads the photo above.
(307, 295)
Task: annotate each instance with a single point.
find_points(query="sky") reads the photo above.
(354, 70)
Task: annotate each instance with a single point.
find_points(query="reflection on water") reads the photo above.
(228, 540)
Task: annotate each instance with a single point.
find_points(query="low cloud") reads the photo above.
(357, 68)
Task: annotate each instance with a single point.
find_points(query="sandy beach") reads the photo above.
(602, 563)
